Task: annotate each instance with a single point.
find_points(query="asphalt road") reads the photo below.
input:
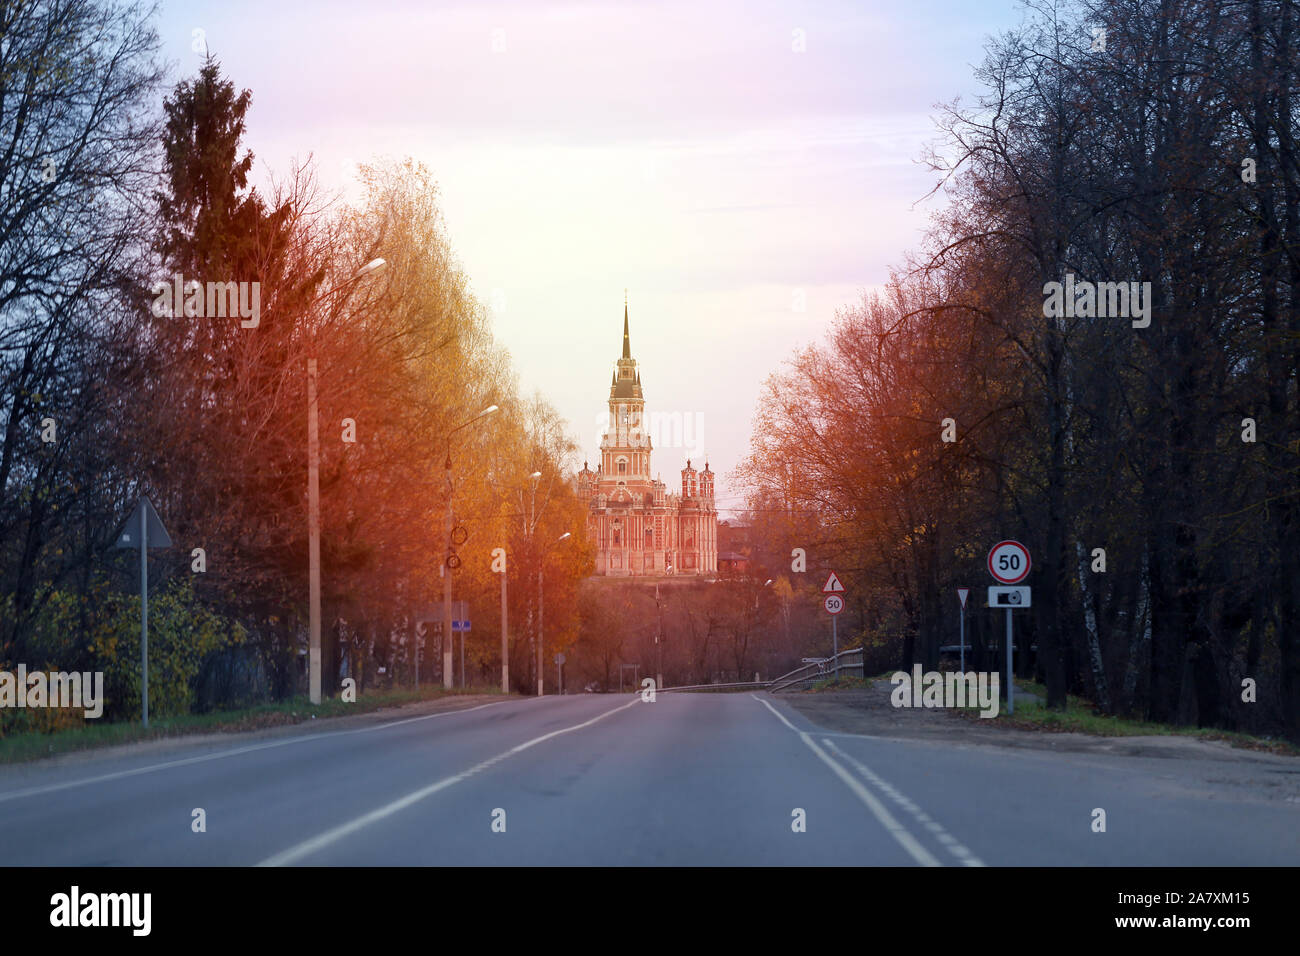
(589, 779)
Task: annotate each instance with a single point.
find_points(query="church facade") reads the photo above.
(639, 527)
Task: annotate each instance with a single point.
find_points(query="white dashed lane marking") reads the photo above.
(949, 842)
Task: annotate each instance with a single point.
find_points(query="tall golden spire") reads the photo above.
(627, 344)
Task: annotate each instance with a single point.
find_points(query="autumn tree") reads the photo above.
(75, 105)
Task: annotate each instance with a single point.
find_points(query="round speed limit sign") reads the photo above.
(834, 604)
(1009, 562)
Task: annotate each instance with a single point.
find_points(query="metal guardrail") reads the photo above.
(745, 685)
(810, 673)
(807, 674)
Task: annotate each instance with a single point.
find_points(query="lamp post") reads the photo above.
(766, 584)
(531, 529)
(659, 641)
(505, 641)
(447, 665)
(532, 546)
(540, 559)
(313, 503)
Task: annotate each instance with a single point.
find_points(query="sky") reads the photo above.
(742, 170)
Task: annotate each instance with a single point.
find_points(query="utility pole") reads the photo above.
(446, 583)
(313, 505)
(541, 559)
(540, 669)
(447, 639)
(505, 643)
(313, 534)
(144, 616)
(540, 554)
(532, 538)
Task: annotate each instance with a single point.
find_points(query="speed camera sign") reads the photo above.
(1009, 562)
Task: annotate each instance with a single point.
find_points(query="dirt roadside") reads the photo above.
(1171, 767)
(869, 711)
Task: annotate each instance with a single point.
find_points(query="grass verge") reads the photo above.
(21, 747)
(843, 682)
(1080, 717)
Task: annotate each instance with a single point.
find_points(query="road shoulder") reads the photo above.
(868, 711)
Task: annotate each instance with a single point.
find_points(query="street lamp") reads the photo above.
(313, 500)
(659, 640)
(540, 557)
(505, 639)
(532, 543)
(446, 565)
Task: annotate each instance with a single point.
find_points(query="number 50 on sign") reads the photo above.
(1009, 562)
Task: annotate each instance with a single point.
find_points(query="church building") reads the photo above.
(640, 528)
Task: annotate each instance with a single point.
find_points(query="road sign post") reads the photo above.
(819, 661)
(1011, 686)
(142, 521)
(464, 626)
(834, 604)
(1009, 564)
(460, 623)
(428, 615)
(961, 596)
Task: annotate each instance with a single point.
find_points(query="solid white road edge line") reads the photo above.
(886, 819)
(317, 843)
(950, 843)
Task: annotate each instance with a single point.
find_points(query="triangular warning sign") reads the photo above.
(130, 536)
(832, 585)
